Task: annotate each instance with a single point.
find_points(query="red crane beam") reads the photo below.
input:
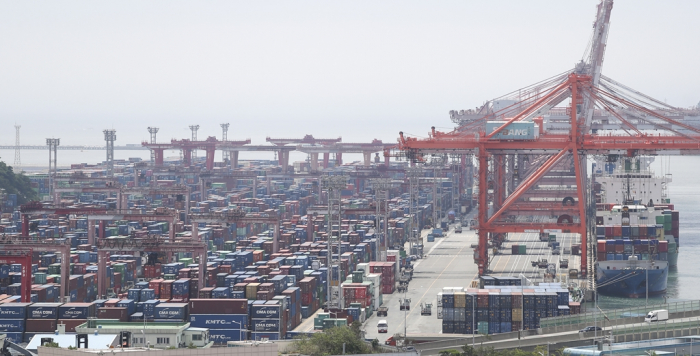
(576, 143)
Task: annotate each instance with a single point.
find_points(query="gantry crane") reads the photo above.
(24, 258)
(210, 145)
(167, 216)
(637, 124)
(15, 247)
(237, 216)
(148, 244)
(37, 208)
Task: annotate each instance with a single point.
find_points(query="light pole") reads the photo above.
(473, 316)
(240, 331)
(381, 186)
(332, 184)
(413, 173)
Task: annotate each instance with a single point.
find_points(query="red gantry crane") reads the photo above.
(510, 138)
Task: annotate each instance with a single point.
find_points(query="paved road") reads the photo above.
(448, 262)
(506, 264)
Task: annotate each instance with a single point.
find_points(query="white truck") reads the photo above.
(656, 315)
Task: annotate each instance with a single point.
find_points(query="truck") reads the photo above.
(431, 238)
(656, 315)
(437, 232)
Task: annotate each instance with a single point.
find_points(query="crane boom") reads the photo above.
(594, 66)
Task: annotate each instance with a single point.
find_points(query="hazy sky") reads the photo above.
(356, 69)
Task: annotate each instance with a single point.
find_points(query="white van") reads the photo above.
(656, 315)
(382, 326)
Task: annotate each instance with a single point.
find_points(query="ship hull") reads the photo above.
(626, 280)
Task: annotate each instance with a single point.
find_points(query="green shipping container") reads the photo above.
(482, 327)
(522, 249)
(40, 278)
(660, 219)
(667, 218)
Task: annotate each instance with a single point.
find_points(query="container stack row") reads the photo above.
(500, 309)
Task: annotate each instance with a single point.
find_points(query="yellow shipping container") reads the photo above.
(460, 300)
(251, 291)
(517, 315)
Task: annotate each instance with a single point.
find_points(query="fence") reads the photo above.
(617, 316)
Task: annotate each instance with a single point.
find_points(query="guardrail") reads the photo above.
(658, 330)
(617, 316)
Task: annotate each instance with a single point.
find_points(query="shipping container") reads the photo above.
(219, 321)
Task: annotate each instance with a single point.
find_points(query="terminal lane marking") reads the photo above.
(428, 289)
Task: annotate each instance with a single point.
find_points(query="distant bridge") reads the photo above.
(80, 148)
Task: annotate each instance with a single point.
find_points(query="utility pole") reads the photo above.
(224, 137)
(194, 129)
(110, 137)
(18, 161)
(153, 131)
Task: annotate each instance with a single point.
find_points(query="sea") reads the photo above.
(684, 192)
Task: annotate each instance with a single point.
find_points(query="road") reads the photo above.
(448, 262)
(506, 264)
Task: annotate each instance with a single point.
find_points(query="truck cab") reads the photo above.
(382, 326)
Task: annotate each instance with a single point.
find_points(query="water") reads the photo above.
(37, 160)
(683, 282)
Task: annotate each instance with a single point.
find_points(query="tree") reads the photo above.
(331, 341)
(16, 184)
(450, 352)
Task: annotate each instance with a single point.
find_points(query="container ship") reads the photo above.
(636, 228)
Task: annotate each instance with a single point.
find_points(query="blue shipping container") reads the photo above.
(43, 311)
(219, 321)
(171, 311)
(74, 312)
(14, 325)
(265, 312)
(259, 336)
(222, 336)
(16, 337)
(265, 325)
(13, 310)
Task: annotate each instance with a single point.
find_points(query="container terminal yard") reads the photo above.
(495, 228)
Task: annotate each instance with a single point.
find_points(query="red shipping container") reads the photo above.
(306, 299)
(360, 293)
(265, 295)
(111, 303)
(40, 325)
(218, 306)
(266, 287)
(120, 314)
